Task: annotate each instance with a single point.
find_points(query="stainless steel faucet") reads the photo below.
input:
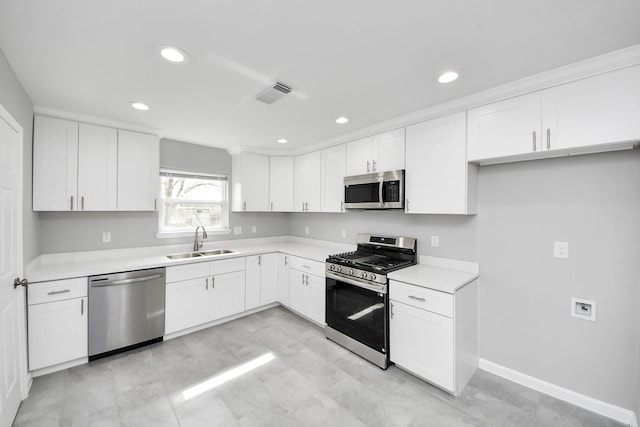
(197, 244)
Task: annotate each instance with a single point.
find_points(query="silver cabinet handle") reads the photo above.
(82, 202)
(71, 202)
(407, 205)
(368, 166)
(286, 260)
(380, 192)
(124, 281)
(271, 205)
(155, 204)
(391, 311)
(64, 291)
(206, 281)
(306, 279)
(259, 260)
(548, 138)
(417, 298)
(244, 206)
(213, 282)
(374, 166)
(341, 206)
(82, 307)
(306, 266)
(534, 140)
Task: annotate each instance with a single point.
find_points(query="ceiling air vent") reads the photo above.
(273, 93)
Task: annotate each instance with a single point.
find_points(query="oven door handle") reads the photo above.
(381, 192)
(372, 287)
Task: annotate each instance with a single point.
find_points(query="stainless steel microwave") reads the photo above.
(382, 190)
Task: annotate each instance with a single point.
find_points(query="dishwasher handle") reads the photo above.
(125, 281)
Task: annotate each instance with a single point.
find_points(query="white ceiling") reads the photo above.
(370, 60)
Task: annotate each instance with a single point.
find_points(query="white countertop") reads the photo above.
(81, 264)
(438, 274)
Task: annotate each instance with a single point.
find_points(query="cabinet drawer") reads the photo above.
(57, 290)
(187, 272)
(417, 296)
(308, 266)
(226, 266)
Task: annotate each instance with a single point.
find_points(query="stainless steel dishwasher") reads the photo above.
(126, 310)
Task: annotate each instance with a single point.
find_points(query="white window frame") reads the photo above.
(224, 229)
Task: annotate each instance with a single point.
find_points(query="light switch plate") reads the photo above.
(237, 230)
(435, 241)
(106, 237)
(254, 228)
(561, 249)
(306, 229)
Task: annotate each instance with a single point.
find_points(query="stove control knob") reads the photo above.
(338, 269)
(351, 272)
(363, 275)
(373, 277)
(332, 267)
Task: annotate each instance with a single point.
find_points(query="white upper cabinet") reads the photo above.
(505, 128)
(250, 179)
(377, 153)
(55, 164)
(599, 110)
(334, 168)
(307, 182)
(97, 168)
(438, 178)
(593, 114)
(281, 184)
(138, 171)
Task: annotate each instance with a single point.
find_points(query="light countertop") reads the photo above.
(81, 264)
(430, 273)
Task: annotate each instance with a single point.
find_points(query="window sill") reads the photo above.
(177, 234)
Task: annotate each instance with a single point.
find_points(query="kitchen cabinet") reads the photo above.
(438, 179)
(307, 289)
(97, 168)
(57, 322)
(334, 169)
(589, 115)
(377, 153)
(281, 184)
(434, 334)
(307, 182)
(203, 292)
(283, 279)
(138, 171)
(250, 182)
(261, 280)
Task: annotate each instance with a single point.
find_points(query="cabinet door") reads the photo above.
(97, 168)
(300, 182)
(422, 342)
(250, 182)
(334, 168)
(55, 164)
(504, 128)
(187, 304)
(317, 296)
(388, 151)
(268, 279)
(57, 332)
(359, 156)
(252, 286)
(436, 175)
(598, 110)
(226, 294)
(283, 279)
(281, 184)
(138, 171)
(298, 291)
(315, 181)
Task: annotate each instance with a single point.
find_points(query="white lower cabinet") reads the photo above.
(307, 289)
(434, 334)
(57, 327)
(262, 280)
(283, 279)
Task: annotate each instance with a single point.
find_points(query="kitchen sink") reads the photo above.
(199, 254)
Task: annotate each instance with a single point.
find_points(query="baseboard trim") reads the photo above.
(617, 413)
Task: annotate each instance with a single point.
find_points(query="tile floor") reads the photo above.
(310, 382)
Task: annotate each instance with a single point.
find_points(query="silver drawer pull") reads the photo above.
(306, 266)
(64, 291)
(417, 298)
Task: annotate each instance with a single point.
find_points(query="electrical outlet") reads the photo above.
(254, 228)
(106, 237)
(583, 309)
(561, 249)
(435, 241)
(344, 233)
(306, 229)
(237, 230)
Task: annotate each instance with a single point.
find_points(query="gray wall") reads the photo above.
(82, 231)
(16, 101)
(590, 201)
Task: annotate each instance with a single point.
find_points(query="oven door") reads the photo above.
(363, 193)
(358, 313)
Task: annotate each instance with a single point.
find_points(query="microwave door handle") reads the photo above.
(380, 191)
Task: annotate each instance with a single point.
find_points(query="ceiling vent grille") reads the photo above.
(273, 93)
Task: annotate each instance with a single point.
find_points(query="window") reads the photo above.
(188, 200)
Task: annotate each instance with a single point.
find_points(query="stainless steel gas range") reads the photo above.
(357, 298)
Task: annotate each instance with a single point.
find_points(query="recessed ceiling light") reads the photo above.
(282, 141)
(342, 120)
(173, 54)
(140, 106)
(448, 77)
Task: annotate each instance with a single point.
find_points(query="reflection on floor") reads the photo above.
(274, 369)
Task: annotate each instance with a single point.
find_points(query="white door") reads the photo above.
(12, 301)
(283, 279)
(97, 168)
(281, 184)
(388, 151)
(334, 168)
(301, 183)
(315, 181)
(252, 281)
(359, 156)
(268, 279)
(138, 171)
(227, 294)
